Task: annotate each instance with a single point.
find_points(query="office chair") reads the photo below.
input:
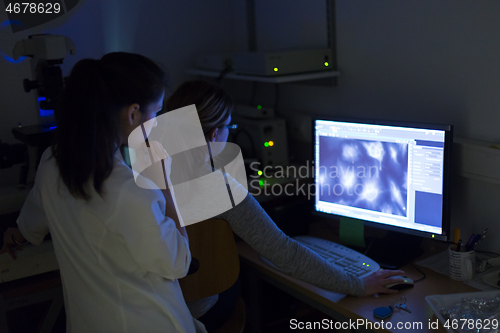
(214, 251)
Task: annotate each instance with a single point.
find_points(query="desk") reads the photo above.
(32, 304)
(355, 308)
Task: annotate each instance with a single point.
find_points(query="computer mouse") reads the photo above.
(408, 283)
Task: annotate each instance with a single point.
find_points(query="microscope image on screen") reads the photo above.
(365, 174)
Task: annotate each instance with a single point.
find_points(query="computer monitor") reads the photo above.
(391, 175)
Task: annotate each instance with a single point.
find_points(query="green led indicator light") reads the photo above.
(261, 182)
(259, 107)
(326, 64)
(266, 144)
(275, 69)
(259, 173)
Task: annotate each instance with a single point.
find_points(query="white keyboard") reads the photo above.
(352, 262)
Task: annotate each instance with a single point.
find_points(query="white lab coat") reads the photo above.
(119, 256)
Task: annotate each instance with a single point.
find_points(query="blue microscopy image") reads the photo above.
(364, 174)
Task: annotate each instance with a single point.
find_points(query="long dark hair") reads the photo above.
(88, 117)
(213, 104)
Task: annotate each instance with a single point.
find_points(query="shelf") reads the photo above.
(276, 79)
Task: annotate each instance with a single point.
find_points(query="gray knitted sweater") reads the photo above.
(252, 224)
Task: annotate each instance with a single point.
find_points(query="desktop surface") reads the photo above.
(356, 308)
(434, 284)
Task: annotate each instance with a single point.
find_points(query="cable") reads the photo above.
(249, 136)
(327, 225)
(211, 157)
(254, 92)
(369, 246)
(422, 278)
(446, 242)
(489, 252)
(276, 97)
(224, 72)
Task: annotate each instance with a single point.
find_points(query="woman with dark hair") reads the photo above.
(119, 251)
(251, 223)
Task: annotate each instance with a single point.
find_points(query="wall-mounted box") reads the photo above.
(477, 160)
(276, 63)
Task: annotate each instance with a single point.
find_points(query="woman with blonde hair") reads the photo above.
(251, 223)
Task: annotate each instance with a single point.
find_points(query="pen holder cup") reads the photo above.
(462, 264)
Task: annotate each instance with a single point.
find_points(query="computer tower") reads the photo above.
(262, 139)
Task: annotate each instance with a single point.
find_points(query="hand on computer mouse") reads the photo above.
(377, 281)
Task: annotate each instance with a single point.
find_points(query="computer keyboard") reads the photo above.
(352, 262)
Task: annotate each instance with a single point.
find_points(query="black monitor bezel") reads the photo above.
(448, 129)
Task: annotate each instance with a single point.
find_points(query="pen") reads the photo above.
(468, 245)
(456, 237)
(479, 238)
(459, 246)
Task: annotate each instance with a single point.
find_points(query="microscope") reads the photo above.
(47, 53)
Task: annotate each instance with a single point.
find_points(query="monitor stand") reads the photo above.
(393, 250)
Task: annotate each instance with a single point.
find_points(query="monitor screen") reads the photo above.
(392, 176)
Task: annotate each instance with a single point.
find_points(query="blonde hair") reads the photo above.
(213, 104)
